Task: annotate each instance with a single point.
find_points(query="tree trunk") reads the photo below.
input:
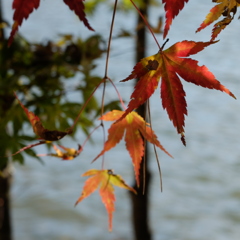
(140, 201)
(5, 177)
(5, 223)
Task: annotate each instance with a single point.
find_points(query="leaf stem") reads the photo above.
(154, 147)
(110, 38)
(164, 44)
(119, 96)
(84, 105)
(88, 137)
(106, 71)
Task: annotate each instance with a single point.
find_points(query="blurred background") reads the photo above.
(201, 185)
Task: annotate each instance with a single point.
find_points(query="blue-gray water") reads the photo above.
(201, 185)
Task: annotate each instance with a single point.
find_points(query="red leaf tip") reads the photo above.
(183, 139)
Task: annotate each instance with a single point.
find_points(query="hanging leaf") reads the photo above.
(22, 10)
(43, 133)
(78, 7)
(67, 154)
(105, 180)
(225, 8)
(135, 127)
(172, 9)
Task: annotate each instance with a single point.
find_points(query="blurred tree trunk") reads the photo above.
(5, 221)
(5, 177)
(140, 201)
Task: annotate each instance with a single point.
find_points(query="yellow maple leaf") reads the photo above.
(105, 180)
(225, 8)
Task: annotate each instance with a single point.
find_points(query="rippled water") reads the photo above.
(201, 190)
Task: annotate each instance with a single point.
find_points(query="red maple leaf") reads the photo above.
(24, 7)
(22, 10)
(105, 179)
(78, 7)
(135, 127)
(172, 9)
(169, 65)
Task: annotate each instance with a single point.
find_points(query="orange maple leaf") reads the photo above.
(226, 8)
(43, 133)
(172, 9)
(22, 10)
(105, 179)
(135, 128)
(169, 65)
(67, 154)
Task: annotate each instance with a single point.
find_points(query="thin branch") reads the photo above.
(155, 150)
(147, 24)
(119, 96)
(84, 105)
(106, 72)
(145, 152)
(88, 137)
(110, 37)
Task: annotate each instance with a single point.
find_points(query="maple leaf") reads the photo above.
(78, 7)
(43, 133)
(104, 179)
(226, 8)
(169, 65)
(135, 128)
(68, 154)
(22, 10)
(172, 9)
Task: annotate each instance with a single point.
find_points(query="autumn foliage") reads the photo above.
(105, 180)
(39, 130)
(166, 68)
(136, 130)
(172, 9)
(224, 8)
(168, 65)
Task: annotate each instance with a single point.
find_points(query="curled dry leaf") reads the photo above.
(225, 8)
(67, 154)
(39, 130)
